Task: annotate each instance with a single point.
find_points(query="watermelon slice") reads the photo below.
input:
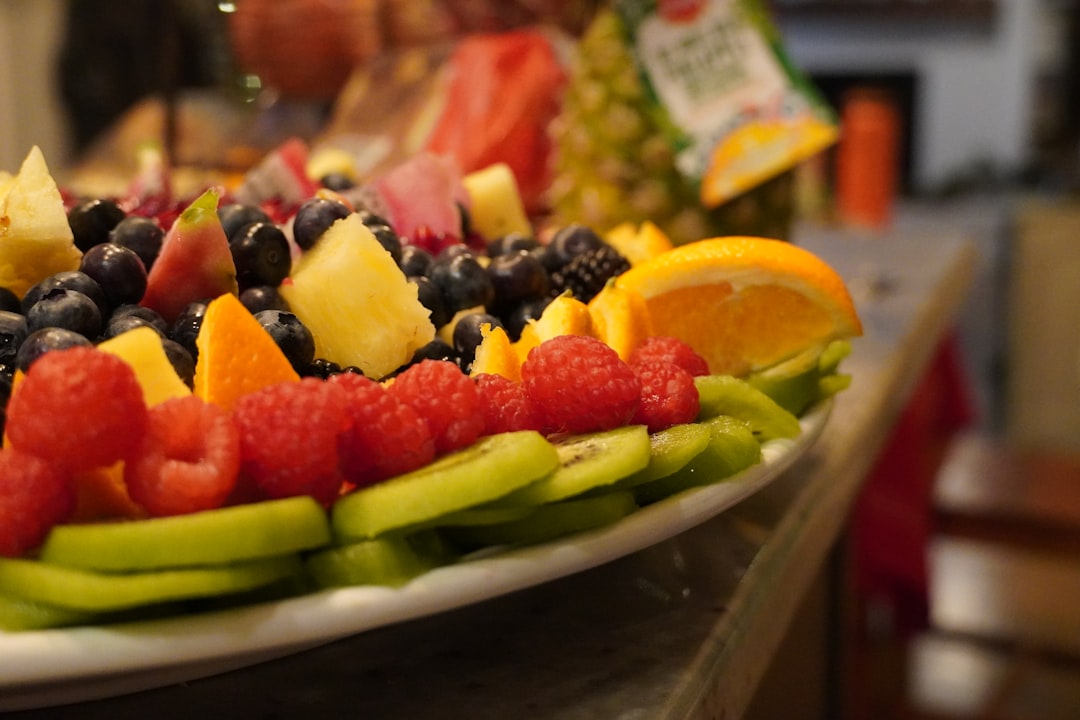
(423, 191)
(195, 262)
(281, 175)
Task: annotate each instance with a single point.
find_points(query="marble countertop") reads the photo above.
(683, 629)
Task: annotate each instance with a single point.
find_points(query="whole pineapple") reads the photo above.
(613, 163)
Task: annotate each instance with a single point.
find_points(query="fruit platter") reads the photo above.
(269, 415)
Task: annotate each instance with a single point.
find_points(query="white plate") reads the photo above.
(54, 667)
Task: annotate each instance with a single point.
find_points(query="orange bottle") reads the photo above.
(867, 158)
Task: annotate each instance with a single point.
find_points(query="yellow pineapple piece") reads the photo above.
(496, 208)
(620, 318)
(35, 238)
(640, 243)
(141, 348)
(358, 305)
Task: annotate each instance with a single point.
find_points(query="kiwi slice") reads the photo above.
(670, 450)
(793, 383)
(548, 522)
(588, 461)
(732, 448)
(728, 395)
(390, 560)
(486, 470)
(210, 537)
(89, 591)
(17, 614)
(797, 383)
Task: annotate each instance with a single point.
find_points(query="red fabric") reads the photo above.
(891, 525)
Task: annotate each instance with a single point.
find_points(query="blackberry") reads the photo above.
(587, 273)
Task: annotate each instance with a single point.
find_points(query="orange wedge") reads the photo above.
(236, 355)
(496, 355)
(744, 303)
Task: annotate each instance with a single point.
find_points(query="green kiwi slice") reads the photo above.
(732, 448)
(210, 537)
(586, 462)
(17, 614)
(727, 395)
(89, 591)
(670, 449)
(486, 470)
(797, 383)
(548, 522)
(390, 560)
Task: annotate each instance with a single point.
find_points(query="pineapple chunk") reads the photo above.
(358, 305)
(35, 238)
(141, 348)
(496, 208)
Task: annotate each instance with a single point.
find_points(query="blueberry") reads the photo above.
(92, 219)
(147, 315)
(181, 359)
(291, 335)
(437, 349)
(72, 280)
(516, 277)
(388, 239)
(336, 181)
(431, 297)
(120, 324)
(262, 297)
(143, 235)
(463, 281)
(512, 243)
(516, 319)
(45, 340)
(13, 331)
(415, 261)
(236, 215)
(9, 301)
(467, 334)
(321, 368)
(67, 309)
(185, 327)
(118, 270)
(571, 241)
(261, 255)
(314, 217)
(370, 218)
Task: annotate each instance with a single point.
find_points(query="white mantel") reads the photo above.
(976, 85)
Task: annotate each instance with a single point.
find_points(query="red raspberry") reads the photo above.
(289, 439)
(188, 461)
(579, 384)
(386, 437)
(668, 395)
(446, 398)
(80, 408)
(506, 407)
(670, 349)
(34, 496)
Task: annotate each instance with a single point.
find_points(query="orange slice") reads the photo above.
(236, 355)
(744, 303)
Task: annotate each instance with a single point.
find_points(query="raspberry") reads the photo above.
(34, 496)
(386, 437)
(289, 439)
(579, 384)
(506, 407)
(447, 400)
(668, 395)
(80, 408)
(670, 349)
(189, 458)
